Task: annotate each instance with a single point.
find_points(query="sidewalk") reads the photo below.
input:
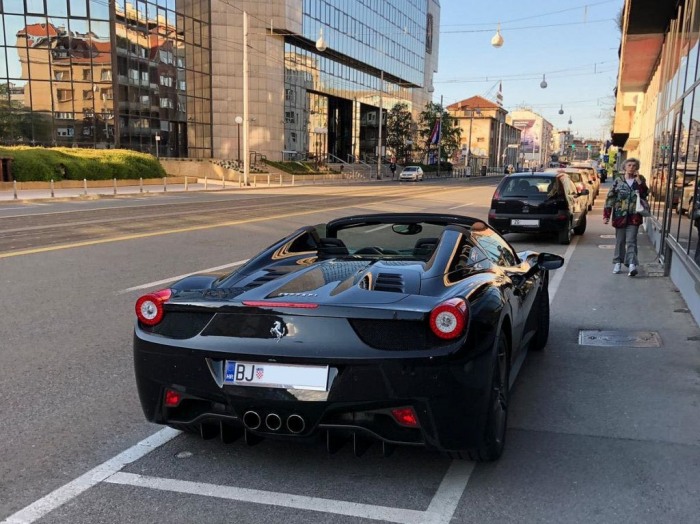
(610, 408)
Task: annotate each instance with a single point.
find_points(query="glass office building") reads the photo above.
(105, 74)
(166, 76)
(332, 98)
(306, 103)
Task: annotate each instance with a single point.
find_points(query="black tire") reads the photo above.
(564, 236)
(494, 438)
(539, 341)
(581, 228)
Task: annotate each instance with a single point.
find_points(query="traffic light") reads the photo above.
(589, 147)
(573, 146)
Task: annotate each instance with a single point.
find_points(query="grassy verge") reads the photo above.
(60, 163)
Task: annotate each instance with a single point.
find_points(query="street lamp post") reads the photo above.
(381, 108)
(239, 121)
(157, 142)
(469, 142)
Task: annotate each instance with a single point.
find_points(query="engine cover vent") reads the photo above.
(389, 282)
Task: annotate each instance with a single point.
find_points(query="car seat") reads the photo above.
(424, 247)
(523, 187)
(332, 247)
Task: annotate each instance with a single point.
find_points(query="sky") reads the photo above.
(573, 43)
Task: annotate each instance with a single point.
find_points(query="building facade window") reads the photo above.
(59, 57)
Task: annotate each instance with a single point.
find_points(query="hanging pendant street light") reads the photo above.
(321, 43)
(543, 84)
(570, 121)
(497, 40)
(561, 110)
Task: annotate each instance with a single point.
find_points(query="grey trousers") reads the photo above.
(626, 245)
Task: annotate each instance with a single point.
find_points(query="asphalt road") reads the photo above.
(595, 434)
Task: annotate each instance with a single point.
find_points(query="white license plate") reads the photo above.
(265, 375)
(524, 222)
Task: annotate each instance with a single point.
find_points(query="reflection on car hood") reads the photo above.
(327, 281)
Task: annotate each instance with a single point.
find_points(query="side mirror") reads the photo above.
(549, 261)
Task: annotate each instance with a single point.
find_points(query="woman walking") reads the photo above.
(621, 204)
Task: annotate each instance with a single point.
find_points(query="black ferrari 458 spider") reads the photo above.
(399, 328)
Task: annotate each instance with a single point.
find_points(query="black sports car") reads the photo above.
(399, 328)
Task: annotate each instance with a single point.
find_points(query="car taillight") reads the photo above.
(172, 398)
(406, 417)
(449, 319)
(149, 308)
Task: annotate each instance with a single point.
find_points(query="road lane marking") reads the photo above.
(180, 277)
(461, 205)
(559, 273)
(378, 228)
(189, 229)
(271, 498)
(448, 495)
(69, 491)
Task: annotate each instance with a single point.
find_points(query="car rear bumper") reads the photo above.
(449, 398)
(547, 223)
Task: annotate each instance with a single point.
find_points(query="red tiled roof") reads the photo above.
(36, 30)
(473, 103)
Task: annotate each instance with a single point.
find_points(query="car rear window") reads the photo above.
(530, 186)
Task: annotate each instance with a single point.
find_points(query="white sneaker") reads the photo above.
(633, 270)
(617, 268)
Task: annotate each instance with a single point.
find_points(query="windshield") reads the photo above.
(529, 187)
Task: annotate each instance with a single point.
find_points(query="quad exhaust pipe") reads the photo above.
(273, 422)
(251, 420)
(295, 424)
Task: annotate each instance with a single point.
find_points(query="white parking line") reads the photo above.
(69, 491)
(180, 277)
(271, 498)
(446, 498)
(558, 275)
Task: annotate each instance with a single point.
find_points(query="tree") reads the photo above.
(10, 120)
(399, 123)
(451, 134)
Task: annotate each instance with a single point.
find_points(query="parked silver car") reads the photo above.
(413, 173)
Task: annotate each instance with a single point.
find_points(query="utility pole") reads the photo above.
(246, 116)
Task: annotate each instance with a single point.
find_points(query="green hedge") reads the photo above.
(295, 167)
(63, 163)
(429, 168)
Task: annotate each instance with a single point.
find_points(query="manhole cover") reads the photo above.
(606, 246)
(621, 338)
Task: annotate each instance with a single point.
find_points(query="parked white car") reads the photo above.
(414, 173)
